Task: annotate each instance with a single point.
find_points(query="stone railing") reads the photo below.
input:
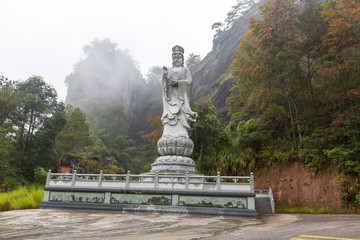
(152, 181)
(266, 193)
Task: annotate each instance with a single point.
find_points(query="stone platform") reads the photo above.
(155, 192)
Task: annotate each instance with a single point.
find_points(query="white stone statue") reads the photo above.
(175, 146)
(177, 84)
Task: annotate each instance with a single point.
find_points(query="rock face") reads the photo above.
(106, 74)
(211, 77)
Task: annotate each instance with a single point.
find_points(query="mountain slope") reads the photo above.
(106, 74)
(211, 77)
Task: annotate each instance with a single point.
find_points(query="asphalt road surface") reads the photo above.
(57, 224)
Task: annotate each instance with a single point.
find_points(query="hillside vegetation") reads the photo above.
(296, 98)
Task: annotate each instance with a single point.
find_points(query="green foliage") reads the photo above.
(108, 121)
(297, 92)
(192, 59)
(358, 198)
(30, 119)
(344, 156)
(307, 209)
(44, 118)
(110, 128)
(10, 101)
(7, 171)
(95, 165)
(144, 157)
(22, 198)
(40, 176)
(350, 188)
(272, 155)
(76, 133)
(250, 134)
(209, 135)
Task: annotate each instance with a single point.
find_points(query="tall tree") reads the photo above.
(272, 73)
(312, 30)
(10, 101)
(192, 59)
(44, 118)
(76, 133)
(341, 64)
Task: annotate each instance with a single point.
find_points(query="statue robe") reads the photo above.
(177, 113)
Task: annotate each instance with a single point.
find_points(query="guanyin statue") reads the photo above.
(175, 146)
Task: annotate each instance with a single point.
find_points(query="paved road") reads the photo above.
(298, 227)
(56, 224)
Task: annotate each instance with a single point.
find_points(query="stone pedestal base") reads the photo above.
(175, 145)
(172, 163)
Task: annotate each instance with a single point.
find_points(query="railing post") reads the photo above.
(100, 178)
(272, 202)
(73, 179)
(252, 182)
(127, 181)
(48, 177)
(156, 179)
(218, 181)
(187, 180)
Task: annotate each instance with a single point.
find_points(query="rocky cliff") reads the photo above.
(211, 77)
(106, 74)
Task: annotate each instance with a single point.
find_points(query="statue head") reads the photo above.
(178, 56)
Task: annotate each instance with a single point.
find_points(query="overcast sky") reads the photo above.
(45, 37)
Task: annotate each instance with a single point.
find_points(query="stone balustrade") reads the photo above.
(152, 181)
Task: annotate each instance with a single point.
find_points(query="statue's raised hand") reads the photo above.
(165, 71)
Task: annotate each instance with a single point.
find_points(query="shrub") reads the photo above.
(40, 175)
(22, 198)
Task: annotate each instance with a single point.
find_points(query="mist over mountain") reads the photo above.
(106, 73)
(108, 76)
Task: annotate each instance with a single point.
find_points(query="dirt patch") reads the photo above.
(293, 184)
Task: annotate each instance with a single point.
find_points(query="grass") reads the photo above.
(308, 209)
(22, 198)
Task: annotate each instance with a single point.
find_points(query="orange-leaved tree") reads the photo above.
(154, 124)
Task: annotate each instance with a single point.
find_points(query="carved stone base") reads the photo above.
(175, 145)
(174, 163)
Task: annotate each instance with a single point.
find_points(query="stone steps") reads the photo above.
(263, 205)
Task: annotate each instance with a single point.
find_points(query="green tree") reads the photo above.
(110, 125)
(237, 11)
(10, 101)
(340, 65)
(76, 133)
(192, 60)
(271, 74)
(9, 175)
(297, 91)
(312, 30)
(44, 118)
(209, 135)
(108, 121)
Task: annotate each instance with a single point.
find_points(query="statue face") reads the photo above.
(177, 59)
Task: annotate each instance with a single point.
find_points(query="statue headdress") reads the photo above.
(178, 49)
